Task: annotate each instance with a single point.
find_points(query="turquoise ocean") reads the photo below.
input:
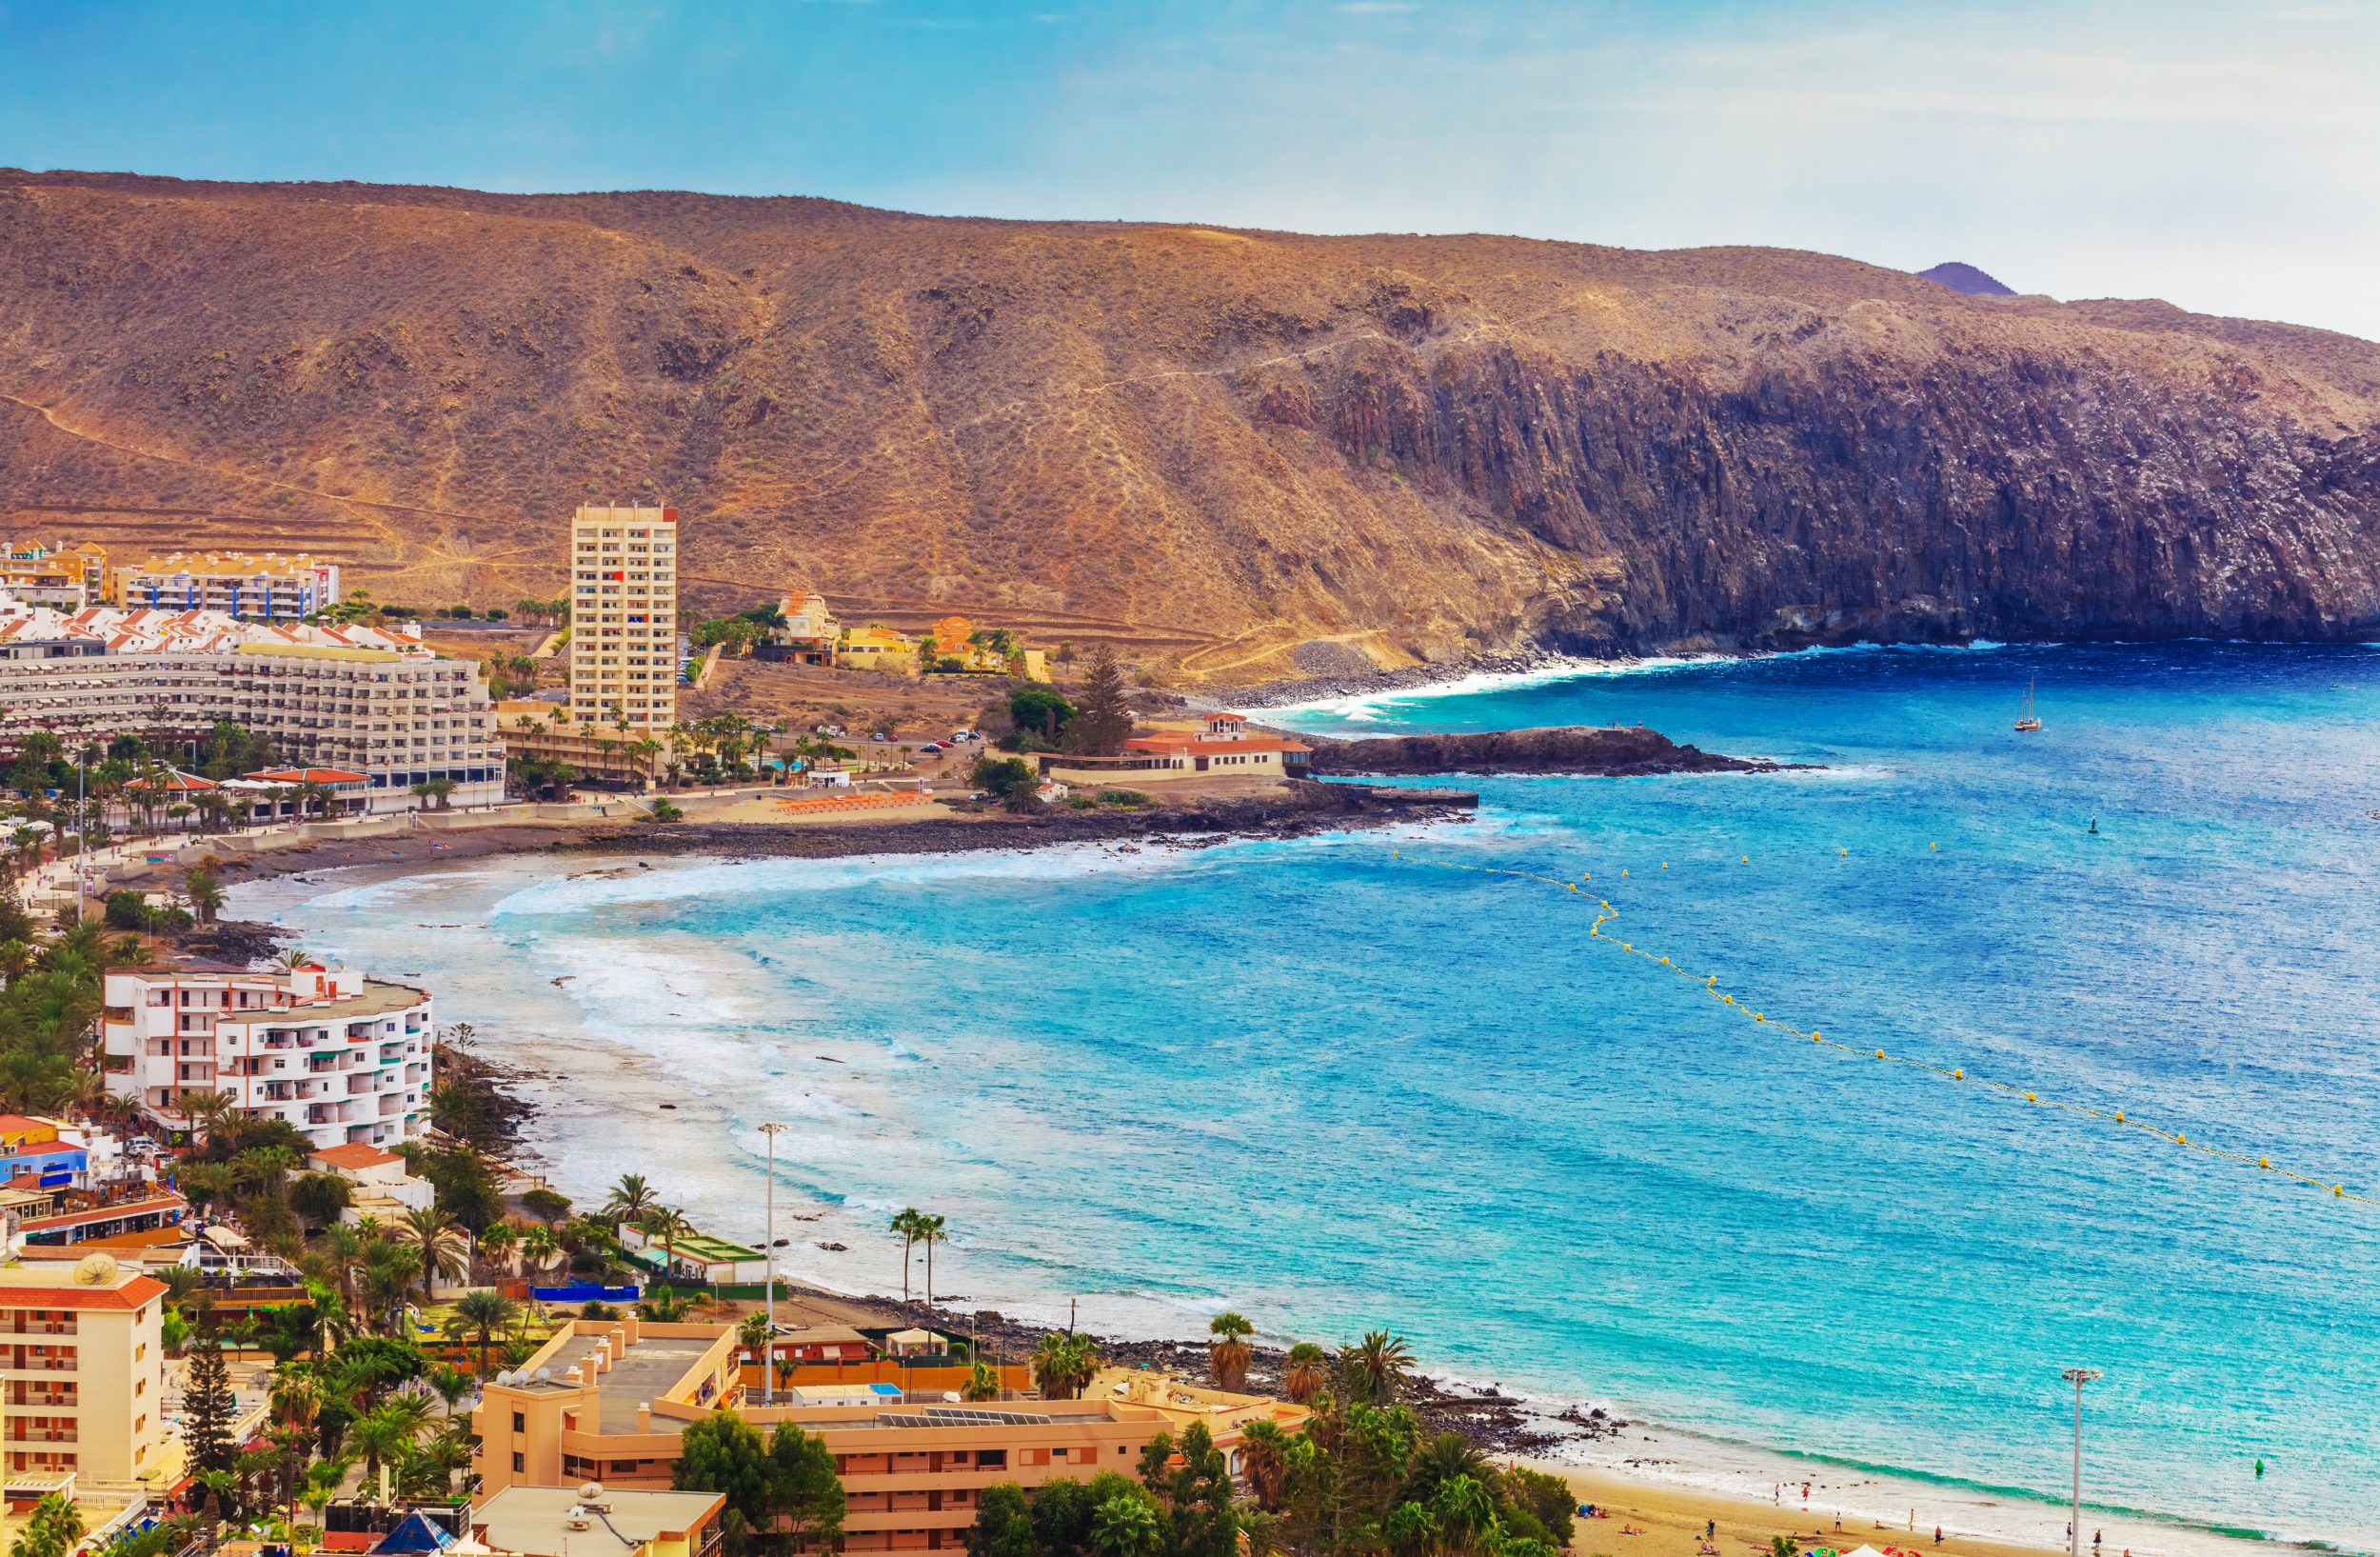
(1337, 1087)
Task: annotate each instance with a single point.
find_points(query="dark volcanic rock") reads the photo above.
(1575, 749)
(1961, 277)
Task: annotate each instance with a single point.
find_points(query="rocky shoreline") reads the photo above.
(1498, 1423)
(1601, 751)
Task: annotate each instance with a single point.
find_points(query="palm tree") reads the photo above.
(983, 1383)
(1064, 1362)
(929, 1233)
(486, 1312)
(630, 1199)
(1124, 1525)
(1375, 1367)
(539, 1245)
(754, 1336)
(908, 1221)
(386, 1433)
(442, 1243)
(205, 891)
(1264, 1454)
(1307, 1373)
(502, 1240)
(668, 1224)
(1228, 1354)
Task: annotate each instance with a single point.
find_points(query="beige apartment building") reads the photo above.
(606, 1401)
(83, 1367)
(267, 586)
(342, 1058)
(624, 618)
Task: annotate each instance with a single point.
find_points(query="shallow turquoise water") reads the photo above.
(1336, 1089)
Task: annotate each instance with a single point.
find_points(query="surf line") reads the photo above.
(1710, 986)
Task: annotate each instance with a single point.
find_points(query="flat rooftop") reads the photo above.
(535, 1520)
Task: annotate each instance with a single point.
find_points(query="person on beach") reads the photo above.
(1938, 1535)
(1709, 1528)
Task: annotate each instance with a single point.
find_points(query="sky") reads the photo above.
(2224, 157)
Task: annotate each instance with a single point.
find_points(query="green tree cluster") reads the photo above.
(782, 1494)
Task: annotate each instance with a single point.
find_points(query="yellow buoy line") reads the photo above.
(1708, 983)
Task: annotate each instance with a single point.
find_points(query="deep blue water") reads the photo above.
(1336, 1088)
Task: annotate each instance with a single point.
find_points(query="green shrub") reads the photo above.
(1131, 798)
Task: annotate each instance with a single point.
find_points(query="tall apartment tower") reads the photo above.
(624, 616)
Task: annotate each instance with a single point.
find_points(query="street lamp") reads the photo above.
(768, 1348)
(2077, 1377)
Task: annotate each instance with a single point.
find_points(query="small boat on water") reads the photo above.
(2028, 720)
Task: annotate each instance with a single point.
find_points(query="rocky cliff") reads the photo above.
(1247, 454)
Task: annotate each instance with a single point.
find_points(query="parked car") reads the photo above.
(927, 748)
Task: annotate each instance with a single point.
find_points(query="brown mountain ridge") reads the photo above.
(1247, 454)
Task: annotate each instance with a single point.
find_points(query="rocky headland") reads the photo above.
(1606, 751)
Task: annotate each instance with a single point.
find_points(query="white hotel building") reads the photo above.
(343, 1058)
(374, 702)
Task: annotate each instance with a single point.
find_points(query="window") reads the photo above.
(520, 1464)
(519, 1422)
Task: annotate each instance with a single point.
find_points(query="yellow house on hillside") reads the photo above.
(874, 648)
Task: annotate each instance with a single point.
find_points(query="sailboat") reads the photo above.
(2028, 720)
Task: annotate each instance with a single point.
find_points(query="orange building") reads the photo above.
(606, 1401)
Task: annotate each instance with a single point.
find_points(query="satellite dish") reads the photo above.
(96, 1270)
(503, 1377)
(544, 1375)
(591, 1490)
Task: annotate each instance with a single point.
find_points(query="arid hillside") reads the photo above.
(1248, 453)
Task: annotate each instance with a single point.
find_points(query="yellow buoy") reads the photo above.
(1747, 859)
(1814, 1034)
(1880, 1053)
(1933, 846)
(2338, 1189)
(1665, 962)
(2264, 1162)
(2181, 1140)
(1623, 870)
(1758, 1017)
(1958, 1076)
(2029, 1098)
(1846, 853)
(1730, 999)
(1665, 865)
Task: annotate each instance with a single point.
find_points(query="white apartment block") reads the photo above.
(342, 1057)
(261, 587)
(82, 1361)
(624, 617)
(376, 703)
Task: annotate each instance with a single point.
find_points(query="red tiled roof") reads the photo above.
(355, 1155)
(132, 1294)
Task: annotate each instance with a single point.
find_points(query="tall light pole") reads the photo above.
(2077, 1377)
(769, 1350)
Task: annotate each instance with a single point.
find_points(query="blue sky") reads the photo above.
(2225, 157)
